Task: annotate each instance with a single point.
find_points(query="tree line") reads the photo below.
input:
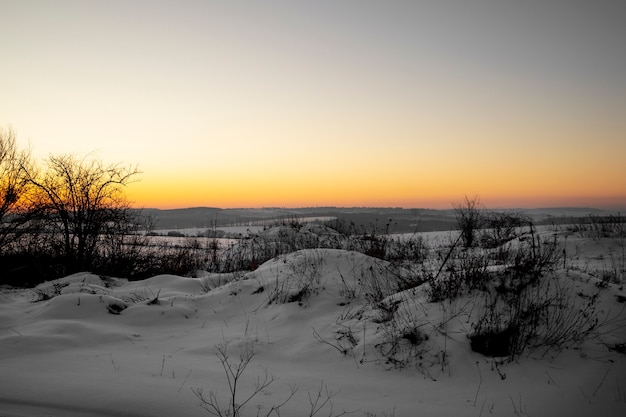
(64, 215)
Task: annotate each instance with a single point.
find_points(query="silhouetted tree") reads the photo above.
(15, 165)
(83, 202)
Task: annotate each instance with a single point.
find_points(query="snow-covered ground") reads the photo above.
(119, 348)
(244, 230)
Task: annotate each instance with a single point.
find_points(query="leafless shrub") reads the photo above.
(412, 250)
(386, 310)
(48, 292)
(323, 400)
(343, 341)
(377, 281)
(501, 228)
(598, 227)
(234, 371)
(349, 291)
(469, 219)
(462, 273)
(543, 315)
(446, 287)
(135, 297)
(529, 261)
(303, 281)
(403, 341)
(320, 401)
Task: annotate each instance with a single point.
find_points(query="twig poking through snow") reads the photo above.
(187, 377)
(550, 380)
(115, 367)
(521, 411)
(480, 382)
(602, 381)
(162, 366)
(13, 330)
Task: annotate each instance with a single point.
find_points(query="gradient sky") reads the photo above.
(314, 103)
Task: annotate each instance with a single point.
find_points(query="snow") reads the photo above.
(70, 355)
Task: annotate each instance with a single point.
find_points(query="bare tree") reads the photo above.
(469, 219)
(83, 200)
(15, 165)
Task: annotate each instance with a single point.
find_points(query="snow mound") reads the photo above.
(315, 317)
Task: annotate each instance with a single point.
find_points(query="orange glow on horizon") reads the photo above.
(524, 182)
(255, 195)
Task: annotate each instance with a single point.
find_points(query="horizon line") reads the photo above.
(616, 208)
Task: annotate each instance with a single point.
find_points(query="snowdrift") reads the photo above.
(322, 320)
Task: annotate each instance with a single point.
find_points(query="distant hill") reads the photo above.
(380, 219)
(366, 218)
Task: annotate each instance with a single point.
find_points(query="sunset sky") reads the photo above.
(316, 103)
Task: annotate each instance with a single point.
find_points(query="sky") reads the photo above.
(327, 103)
